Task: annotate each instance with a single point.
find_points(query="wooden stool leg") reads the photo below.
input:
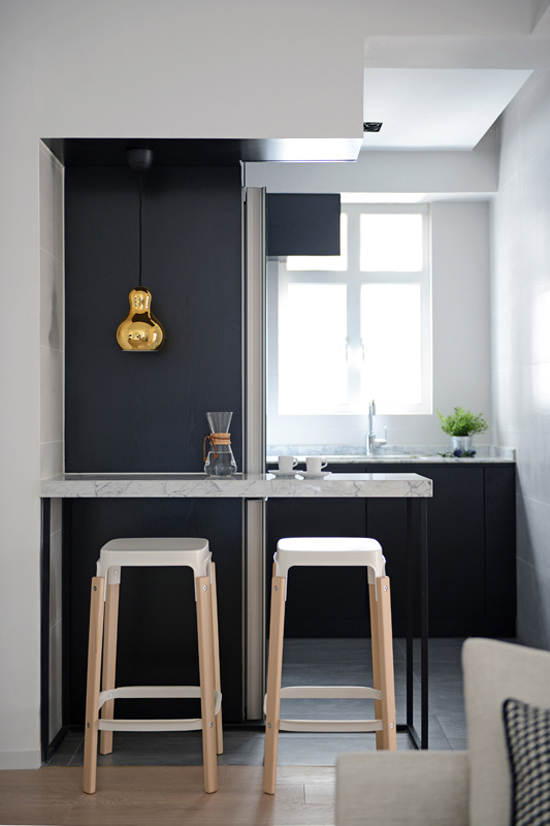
(206, 671)
(92, 685)
(387, 682)
(217, 675)
(109, 662)
(375, 650)
(274, 678)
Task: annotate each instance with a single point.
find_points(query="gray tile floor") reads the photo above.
(308, 662)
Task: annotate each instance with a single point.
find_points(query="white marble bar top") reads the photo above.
(394, 454)
(240, 486)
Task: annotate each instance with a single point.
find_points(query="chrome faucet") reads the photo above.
(372, 442)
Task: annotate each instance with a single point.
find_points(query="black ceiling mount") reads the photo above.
(139, 160)
(372, 126)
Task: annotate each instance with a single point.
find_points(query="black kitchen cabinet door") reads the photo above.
(456, 548)
(471, 548)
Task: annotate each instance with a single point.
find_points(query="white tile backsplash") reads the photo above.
(534, 117)
(533, 533)
(520, 340)
(509, 158)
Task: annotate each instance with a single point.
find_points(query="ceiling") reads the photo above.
(435, 109)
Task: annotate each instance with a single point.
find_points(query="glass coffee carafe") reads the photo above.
(220, 460)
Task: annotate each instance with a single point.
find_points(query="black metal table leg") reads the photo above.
(424, 621)
(417, 553)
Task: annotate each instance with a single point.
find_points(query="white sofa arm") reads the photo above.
(393, 788)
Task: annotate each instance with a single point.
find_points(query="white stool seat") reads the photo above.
(339, 551)
(183, 552)
(191, 552)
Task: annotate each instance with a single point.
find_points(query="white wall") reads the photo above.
(51, 400)
(125, 68)
(521, 341)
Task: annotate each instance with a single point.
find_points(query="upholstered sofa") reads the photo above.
(463, 788)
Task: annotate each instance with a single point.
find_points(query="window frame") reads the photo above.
(354, 278)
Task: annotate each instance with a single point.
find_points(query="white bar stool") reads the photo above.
(159, 552)
(338, 552)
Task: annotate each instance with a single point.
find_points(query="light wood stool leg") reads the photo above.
(375, 649)
(217, 675)
(387, 683)
(274, 678)
(109, 661)
(92, 685)
(206, 671)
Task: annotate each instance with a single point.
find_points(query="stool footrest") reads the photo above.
(330, 692)
(188, 724)
(157, 692)
(331, 725)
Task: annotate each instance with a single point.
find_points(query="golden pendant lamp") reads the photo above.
(140, 332)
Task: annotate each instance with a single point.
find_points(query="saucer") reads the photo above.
(284, 474)
(308, 474)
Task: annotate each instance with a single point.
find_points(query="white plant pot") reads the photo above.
(463, 443)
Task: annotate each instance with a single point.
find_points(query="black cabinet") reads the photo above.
(303, 224)
(471, 547)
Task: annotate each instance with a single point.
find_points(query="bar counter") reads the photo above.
(254, 490)
(240, 486)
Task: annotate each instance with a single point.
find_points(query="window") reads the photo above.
(358, 326)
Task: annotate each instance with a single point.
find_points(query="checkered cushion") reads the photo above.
(528, 740)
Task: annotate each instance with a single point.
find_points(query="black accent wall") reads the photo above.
(131, 412)
(145, 412)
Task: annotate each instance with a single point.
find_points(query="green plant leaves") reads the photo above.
(462, 422)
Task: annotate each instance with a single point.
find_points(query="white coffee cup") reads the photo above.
(315, 464)
(287, 464)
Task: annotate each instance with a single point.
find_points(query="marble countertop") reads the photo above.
(393, 454)
(239, 486)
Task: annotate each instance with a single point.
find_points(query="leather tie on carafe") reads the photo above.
(215, 439)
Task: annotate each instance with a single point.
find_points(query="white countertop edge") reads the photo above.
(241, 486)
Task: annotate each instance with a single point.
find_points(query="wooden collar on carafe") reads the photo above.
(216, 439)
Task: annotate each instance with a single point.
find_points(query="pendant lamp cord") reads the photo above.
(140, 223)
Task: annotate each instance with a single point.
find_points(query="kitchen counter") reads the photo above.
(394, 454)
(240, 486)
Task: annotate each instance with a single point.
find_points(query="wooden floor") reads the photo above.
(155, 796)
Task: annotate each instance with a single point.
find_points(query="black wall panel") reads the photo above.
(131, 412)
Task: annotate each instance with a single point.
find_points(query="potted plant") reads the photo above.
(462, 425)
